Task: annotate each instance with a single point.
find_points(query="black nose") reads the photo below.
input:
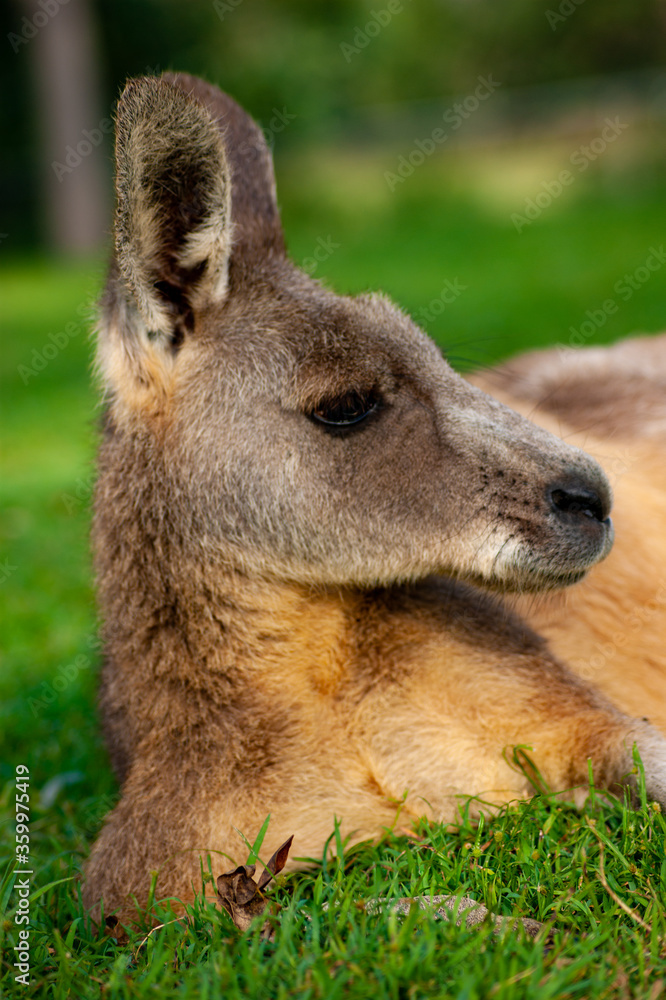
(578, 498)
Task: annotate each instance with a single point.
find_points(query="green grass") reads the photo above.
(539, 859)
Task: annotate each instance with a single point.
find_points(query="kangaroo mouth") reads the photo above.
(565, 560)
(532, 558)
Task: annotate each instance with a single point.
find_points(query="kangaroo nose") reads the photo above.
(579, 499)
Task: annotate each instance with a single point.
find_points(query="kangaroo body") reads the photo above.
(297, 502)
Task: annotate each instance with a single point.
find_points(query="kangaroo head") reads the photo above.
(289, 431)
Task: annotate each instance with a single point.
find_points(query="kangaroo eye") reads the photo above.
(345, 410)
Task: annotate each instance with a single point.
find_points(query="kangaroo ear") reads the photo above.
(173, 236)
(173, 218)
(255, 215)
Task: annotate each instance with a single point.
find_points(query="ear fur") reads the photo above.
(173, 236)
(255, 215)
(194, 176)
(173, 219)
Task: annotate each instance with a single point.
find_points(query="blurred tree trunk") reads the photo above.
(64, 61)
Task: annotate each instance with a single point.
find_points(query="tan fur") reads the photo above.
(287, 627)
(611, 627)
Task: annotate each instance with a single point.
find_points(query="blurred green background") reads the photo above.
(350, 93)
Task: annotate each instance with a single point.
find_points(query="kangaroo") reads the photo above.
(300, 516)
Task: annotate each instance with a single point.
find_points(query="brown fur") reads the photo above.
(611, 627)
(284, 629)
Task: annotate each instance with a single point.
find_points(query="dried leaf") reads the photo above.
(276, 863)
(243, 898)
